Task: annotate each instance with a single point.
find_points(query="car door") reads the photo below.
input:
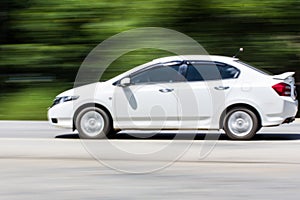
(150, 101)
(203, 97)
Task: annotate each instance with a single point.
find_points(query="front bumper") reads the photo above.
(61, 115)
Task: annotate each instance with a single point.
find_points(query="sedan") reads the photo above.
(187, 92)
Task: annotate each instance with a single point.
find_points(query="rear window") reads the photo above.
(265, 72)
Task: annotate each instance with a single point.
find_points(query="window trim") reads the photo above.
(178, 62)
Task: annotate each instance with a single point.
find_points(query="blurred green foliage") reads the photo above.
(29, 104)
(48, 40)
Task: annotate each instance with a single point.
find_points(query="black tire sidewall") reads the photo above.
(253, 131)
(107, 124)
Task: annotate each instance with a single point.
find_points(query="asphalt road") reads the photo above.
(41, 162)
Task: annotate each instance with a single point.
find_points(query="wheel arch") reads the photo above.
(236, 105)
(97, 105)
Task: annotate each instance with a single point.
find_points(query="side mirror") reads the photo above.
(125, 82)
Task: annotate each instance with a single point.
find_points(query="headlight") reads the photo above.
(63, 99)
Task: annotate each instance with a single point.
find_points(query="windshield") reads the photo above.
(258, 70)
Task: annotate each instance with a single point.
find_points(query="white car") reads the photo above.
(180, 93)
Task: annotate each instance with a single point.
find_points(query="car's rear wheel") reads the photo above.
(93, 123)
(241, 124)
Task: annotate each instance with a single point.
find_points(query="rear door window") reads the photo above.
(205, 71)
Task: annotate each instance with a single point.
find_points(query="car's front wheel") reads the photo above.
(93, 123)
(241, 124)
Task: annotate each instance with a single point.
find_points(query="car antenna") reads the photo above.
(240, 50)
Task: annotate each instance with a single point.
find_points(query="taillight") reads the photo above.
(282, 89)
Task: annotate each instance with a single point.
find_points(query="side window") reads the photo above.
(210, 71)
(193, 74)
(202, 71)
(159, 74)
(228, 71)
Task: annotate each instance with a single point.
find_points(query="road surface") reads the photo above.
(42, 162)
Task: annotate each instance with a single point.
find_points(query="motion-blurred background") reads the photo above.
(42, 43)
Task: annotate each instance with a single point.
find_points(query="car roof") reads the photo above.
(214, 58)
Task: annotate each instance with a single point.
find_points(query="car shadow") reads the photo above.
(187, 136)
(68, 136)
(277, 136)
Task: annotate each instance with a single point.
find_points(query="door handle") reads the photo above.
(222, 87)
(165, 90)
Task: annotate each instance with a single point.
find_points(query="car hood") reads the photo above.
(86, 90)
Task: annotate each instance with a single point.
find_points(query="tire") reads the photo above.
(93, 123)
(241, 124)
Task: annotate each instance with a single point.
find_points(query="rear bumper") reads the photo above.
(289, 120)
(286, 115)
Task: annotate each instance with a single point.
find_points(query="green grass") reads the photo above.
(28, 104)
